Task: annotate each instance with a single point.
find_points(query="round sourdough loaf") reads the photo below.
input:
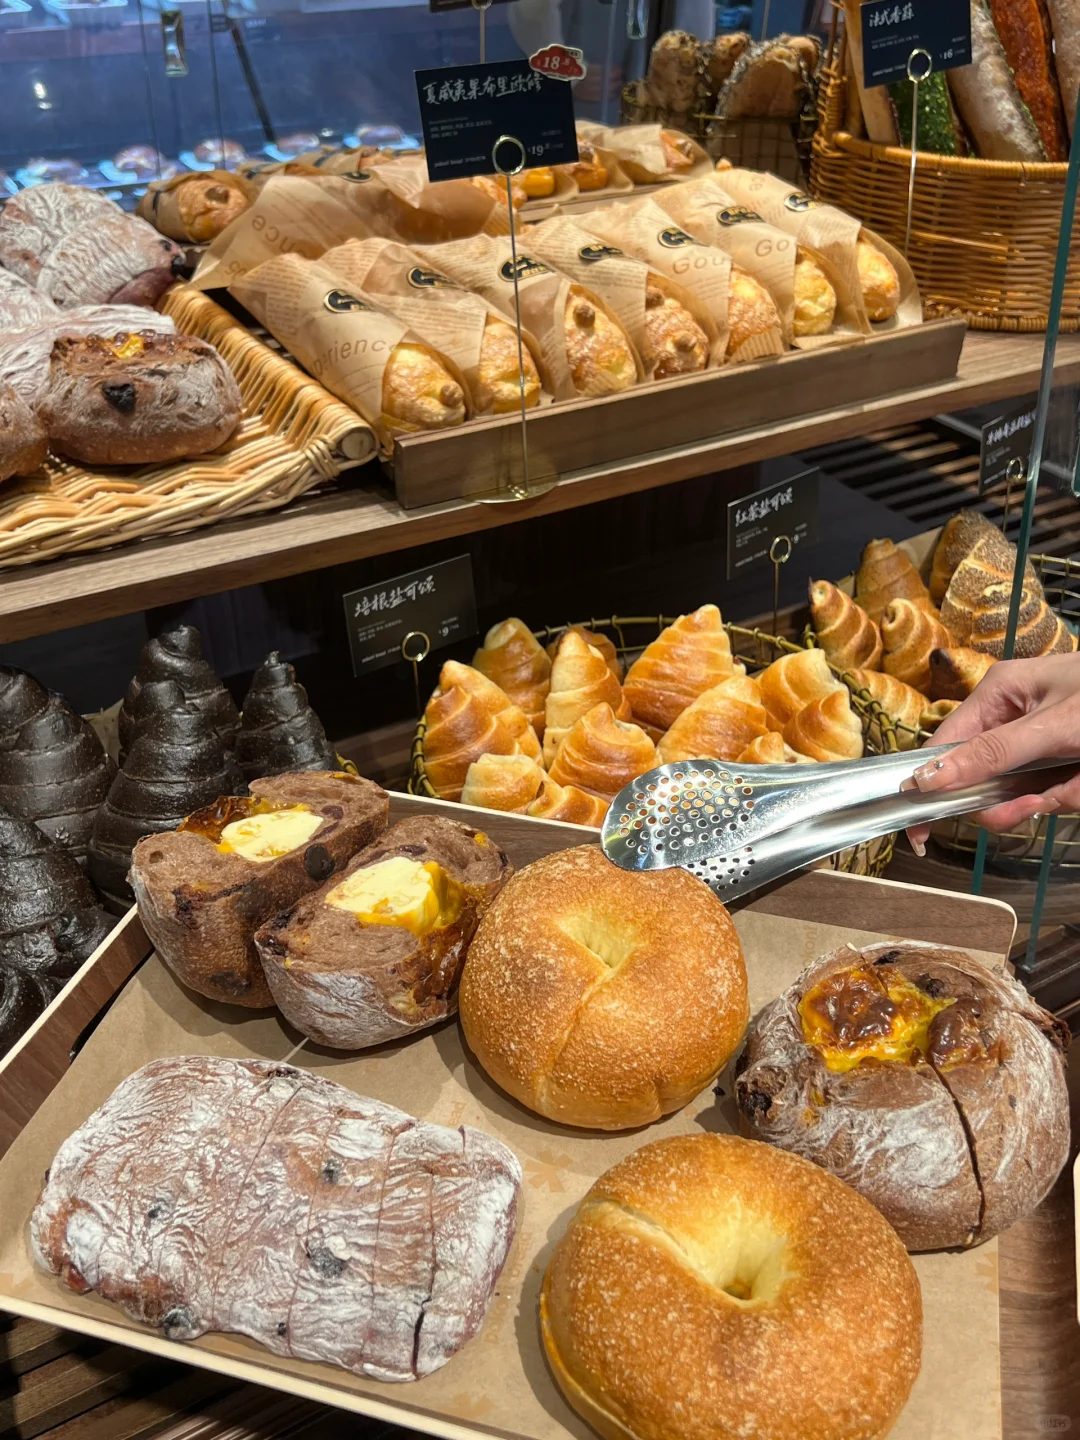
(22, 439)
(602, 998)
(710, 1288)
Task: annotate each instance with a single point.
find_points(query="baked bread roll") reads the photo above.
(580, 679)
(751, 310)
(679, 152)
(934, 714)
(958, 538)
(601, 754)
(902, 704)
(597, 349)
(502, 782)
(708, 1277)
(990, 561)
(23, 444)
(601, 998)
(687, 658)
(498, 374)
(673, 81)
(196, 207)
(589, 171)
(844, 631)
(1038, 630)
(375, 954)
(567, 803)
(826, 729)
(675, 344)
(21, 698)
(303, 1210)
(598, 642)
(904, 1049)
(279, 730)
(815, 298)
(954, 672)
(138, 398)
(718, 725)
(419, 392)
(908, 635)
(886, 573)
(718, 57)
(792, 682)
(468, 717)
(206, 887)
(878, 281)
(771, 749)
(176, 655)
(454, 675)
(512, 658)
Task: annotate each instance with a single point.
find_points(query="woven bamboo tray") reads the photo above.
(293, 435)
(755, 649)
(984, 233)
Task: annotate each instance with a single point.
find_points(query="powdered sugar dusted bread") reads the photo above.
(204, 889)
(931, 1084)
(21, 305)
(325, 1226)
(25, 353)
(376, 953)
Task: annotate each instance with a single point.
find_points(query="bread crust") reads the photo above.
(23, 445)
(201, 907)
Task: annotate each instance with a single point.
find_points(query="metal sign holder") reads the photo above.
(916, 73)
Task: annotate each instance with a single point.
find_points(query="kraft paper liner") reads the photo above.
(484, 265)
(498, 1384)
(436, 308)
(644, 230)
(159, 207)
(641, 145)
(342, 340)
(618, 182)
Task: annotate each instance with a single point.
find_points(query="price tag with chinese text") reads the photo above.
(437, 601)
(1002, 440)
(562, 62)
(892, 29)
(788, 508)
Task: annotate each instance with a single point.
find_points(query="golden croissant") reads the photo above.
(903, 704)
(691, 656)
(580, 679)
(454, 675)
(460, 730)
(1038, 630)
(602, 754)
(909, 634)
(502, 782)
(844, 630)
(770, 749)
(958, 538)
(794, 681)
(886, 573)
(826, 729)
(513, 658)
(598, 642)
(991, 561)
(568, 803)
(718, 725)
(954, 672)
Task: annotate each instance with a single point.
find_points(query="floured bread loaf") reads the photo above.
(22, 440)
(325, 1226)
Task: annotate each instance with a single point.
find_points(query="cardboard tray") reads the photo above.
(499, 1383)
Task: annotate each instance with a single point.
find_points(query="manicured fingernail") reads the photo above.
(930, 776)
(919, 848)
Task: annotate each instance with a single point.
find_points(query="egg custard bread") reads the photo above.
(909, 633)
(375, 954)
(844, 631)
(929, 1083)
(589, 171)
(687, 658)
(675, 344)
(205, 888)
(580, 679)
(419, 392)
(196, 207)
(752, 311)
(512, 658)
(325, 1225)
(602, 998)
(602, 753)
(710, 1288)
(886, 573)
(815, 297)
(497, 388)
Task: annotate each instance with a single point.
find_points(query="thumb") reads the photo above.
(1047, 734)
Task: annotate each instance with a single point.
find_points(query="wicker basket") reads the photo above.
(984, 233)
(755, 648)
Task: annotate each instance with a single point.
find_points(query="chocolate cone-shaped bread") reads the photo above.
(56, 773)
(50, 922)
(279, 730)
(21, 698)
(177, 764)
(177, 655)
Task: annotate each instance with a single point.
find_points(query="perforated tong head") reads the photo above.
(739, 827)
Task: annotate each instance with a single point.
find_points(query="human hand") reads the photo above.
(1021, 711)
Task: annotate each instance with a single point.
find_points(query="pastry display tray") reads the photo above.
(484, 456)
(498, 1384)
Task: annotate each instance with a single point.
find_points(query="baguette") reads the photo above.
(988, 99)
(1065, 22)
(1023, 27)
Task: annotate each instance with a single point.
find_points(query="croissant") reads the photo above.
(598, 642)
(465, 721)
(177, 655)
(845, 632)
(954, 673)
(580, 679)
(958, 538)
(602, 754)
(691, 656)
(454, 675)
(502, 782)
(826, 729)
(991, 561)
(1038, 630)
(901, 703)
(886, 573)
(718, 725)
(21, 698)
(934, 714)
(513, 658)
(794, 681)
(278, 728)
(771, 749)
(567, 802)
(908, 635)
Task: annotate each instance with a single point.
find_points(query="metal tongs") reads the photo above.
(739, 827)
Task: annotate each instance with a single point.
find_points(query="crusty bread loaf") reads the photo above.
(886, 573)
(601, 753)
(908, 634)
(986, 95)
(958, 538)
(513, 658)
(826, 729)
(954, 672)
(602, 998)
(737, 1287)
(687, 658)
(309, 1205)
(375, 953)
(990, 561)
(201, 899)
(1065, 22)
(673, 80)
(502, 782)
(1023, 27)
(580, 679)
(718, 725)
(792, 682)
(567, 802)
(23, 445)
(1038, 630)
(844, 631)
(903, 705)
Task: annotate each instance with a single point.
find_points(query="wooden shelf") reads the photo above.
(357, 522)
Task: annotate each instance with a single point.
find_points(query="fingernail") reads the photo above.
(930, 776)
(919, 848)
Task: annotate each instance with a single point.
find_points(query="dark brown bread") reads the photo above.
(23, 444)
(326, 1226)
(349, 984)
(278, 728)
(177, 655)
(201, 906)
(21, 698)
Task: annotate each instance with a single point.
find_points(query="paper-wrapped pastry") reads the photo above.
(650, 153)
(588, 171)
(196, 207)
(361, 353)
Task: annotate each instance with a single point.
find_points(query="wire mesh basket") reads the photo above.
(753, 648)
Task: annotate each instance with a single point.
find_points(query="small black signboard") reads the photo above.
(1002, 440)
(892, 29)
(466, 109)
(436, 5)
(437, 601)
(788, 508)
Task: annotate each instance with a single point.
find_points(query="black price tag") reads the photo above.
(892, 29)
(437, 602)
(1003, 440)
(436, 5)
(789, 508)
(465, 109)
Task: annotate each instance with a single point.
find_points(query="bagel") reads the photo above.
(711, 1288)
(603, 998)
